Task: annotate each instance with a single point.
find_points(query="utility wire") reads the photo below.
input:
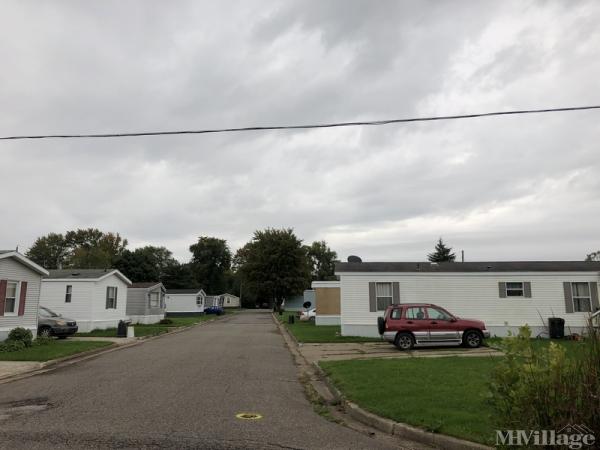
(297, 127)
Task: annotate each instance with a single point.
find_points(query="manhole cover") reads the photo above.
(248, 416)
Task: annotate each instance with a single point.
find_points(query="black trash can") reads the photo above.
(122, 328)
(556, 327)
(291, 318)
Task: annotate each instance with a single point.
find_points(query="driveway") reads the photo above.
(180, 391)
(368, 350)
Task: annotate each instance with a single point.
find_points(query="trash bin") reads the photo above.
(122, 328)
(556, 327)
(291, 318)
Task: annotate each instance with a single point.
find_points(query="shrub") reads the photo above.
(545, 389)
(165, 321)
(21, 335)
(11, 346)
(41, 340)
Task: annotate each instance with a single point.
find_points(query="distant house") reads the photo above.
(230, 301)
(296, 302)
(20, 283)
(185, 302)
(505, 294)
(146, 302)
(95, 298)
(327, 299)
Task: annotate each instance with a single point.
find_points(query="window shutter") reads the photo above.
(527, 289)
(395, 293)
(568, 297)
(106, 305)
(502, 289)
(594, 294)
(2, 296)
(22, 298)
(372, 298)
(116, 296)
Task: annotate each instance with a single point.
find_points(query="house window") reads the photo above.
(68, 293)
(383, 292)
(154, 299)
(111, 297)
(582, 301)
(514, 289)
(10, 301)
(199, 300)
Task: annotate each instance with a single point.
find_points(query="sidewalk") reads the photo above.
(12, 368)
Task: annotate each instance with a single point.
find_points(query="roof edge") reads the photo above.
(26, 261)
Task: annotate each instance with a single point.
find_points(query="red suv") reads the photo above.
(411, 324)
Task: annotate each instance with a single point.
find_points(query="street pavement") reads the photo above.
(179, 391)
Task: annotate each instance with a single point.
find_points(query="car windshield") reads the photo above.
(47, 313)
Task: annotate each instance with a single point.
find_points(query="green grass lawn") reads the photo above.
(152, 329)
(56, 349)
(446, 395)
(308, 332)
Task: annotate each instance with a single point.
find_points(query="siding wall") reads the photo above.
(465, 295)
(183, 303)
(138, 302)
(13, 270)
(231, 301)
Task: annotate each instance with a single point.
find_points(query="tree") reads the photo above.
(322, 261)
(83, 249)
(49, 251)
(211, 262)
(441, 253)
(145, 263)
(594, 256)
(179, 276)
(273, 265)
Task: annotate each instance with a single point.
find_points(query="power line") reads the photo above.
(299, 127)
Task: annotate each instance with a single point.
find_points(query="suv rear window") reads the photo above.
(396, 313)
(415, 313)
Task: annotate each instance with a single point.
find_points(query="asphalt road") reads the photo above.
(179, 391)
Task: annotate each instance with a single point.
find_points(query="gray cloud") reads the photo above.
(502, 188)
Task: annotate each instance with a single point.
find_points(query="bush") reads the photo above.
(165, 321)
(41, 340)
(11, 346)
(21, 335)
(544, 389)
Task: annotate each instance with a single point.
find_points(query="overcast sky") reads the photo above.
(507, 188)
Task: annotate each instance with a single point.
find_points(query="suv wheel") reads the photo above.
(404, 341)
(381, 325)
(472, 339)
(45, 332)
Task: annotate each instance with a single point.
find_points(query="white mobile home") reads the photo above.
(95, 298)
(185, 302)
(146, 302)
(20, 282)
(230, 301)
(505, 295)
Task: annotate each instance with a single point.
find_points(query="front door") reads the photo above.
(441, 329)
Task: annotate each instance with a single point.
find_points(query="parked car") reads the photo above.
(308, 315)
(420, 324)
(52, 324)
(214, 310)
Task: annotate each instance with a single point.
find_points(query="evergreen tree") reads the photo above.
(441, 253)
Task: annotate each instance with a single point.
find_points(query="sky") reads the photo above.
(502, 188)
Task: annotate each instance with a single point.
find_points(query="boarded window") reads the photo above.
(383, 292)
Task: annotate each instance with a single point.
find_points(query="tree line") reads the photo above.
(275, 264)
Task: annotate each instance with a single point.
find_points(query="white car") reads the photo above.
(308, 315)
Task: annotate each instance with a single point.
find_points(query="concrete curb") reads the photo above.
(47, 366)
(384, 425)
